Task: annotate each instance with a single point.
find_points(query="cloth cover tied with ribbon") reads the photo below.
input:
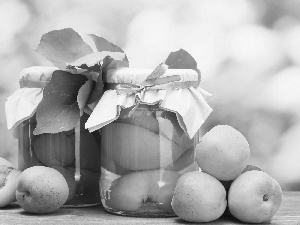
(22, 104)
(173, 90)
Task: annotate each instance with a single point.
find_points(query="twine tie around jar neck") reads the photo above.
(152, 82)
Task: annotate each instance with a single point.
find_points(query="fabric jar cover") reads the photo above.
(22, 104)
(188, 102)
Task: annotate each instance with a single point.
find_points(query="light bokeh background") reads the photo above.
(248, 52)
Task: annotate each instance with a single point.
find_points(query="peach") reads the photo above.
(223, 152)
(8, 180)
(59, 150)
(135, 148)
(41, 189)
(55, 149)
(131, 191)
(254, 197)
(199, 197)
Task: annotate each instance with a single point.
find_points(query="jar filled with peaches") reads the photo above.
(149, 130)
(50, 131)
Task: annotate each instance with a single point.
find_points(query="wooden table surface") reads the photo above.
(289, 213)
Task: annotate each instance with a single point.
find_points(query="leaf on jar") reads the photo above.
(59, 110)
(63, 46)
(98, 91)
(181, 59)
(84, 94)
(104, 45)
(111, 62)
(108, 63)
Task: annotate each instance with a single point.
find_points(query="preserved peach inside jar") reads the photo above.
(75, 152)
(148, 136)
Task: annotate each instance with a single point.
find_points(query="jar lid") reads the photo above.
(138, 75)
(36, 76)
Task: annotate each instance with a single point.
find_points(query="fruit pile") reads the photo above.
(226, 184)
(38, 189)
(145, 152)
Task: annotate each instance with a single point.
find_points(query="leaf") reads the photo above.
(96, 57)
(59, 110)
(98, 90)
(182, 60)
(108, 63)
(84, 93)
(63, 46)
(111, 61)
(104, 45)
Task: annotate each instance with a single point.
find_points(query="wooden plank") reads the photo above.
(288, 214)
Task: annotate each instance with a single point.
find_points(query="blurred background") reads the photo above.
(248, 52)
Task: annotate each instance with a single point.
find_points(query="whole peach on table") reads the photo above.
(228, 183)
(199, 197)
(254, 197)
(8, 180)
(223, 152)
(41, 189)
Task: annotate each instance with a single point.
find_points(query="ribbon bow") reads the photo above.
(153, 82)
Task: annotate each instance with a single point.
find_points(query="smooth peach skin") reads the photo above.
(227, 183)
(8, 181)
(223, 152)
(41, 189)
(129, 192)
(135, 148)
(199, 197)
(254, 197)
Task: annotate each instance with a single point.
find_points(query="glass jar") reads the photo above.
(58, 151)
(149, 130)
(143, 154)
